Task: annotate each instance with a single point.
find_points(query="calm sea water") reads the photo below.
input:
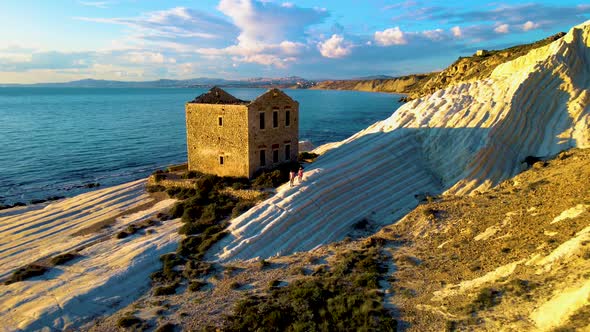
(53, 141)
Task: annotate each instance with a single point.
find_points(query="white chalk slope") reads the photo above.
(467, 137)
(109, 274)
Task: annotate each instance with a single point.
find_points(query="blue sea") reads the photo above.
(55, 141)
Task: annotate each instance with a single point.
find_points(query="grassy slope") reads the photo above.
(456, 255)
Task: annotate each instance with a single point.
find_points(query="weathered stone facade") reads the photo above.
(231, 137)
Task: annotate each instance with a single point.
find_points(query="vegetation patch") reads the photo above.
(307, 156)
(520, 287)
(487, 298)
(273, 178)
(168, 327)
(129, 321)
(166, 290)
(361, 225)
(343, 298)
(196, 285)
(134, 228)
(204, 211)
(63, 258)
(26, 272)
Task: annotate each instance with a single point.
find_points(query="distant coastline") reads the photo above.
(292, 82)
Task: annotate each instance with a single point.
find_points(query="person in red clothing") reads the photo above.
(300, 174)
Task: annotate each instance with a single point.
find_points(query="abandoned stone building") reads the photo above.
(227, 136)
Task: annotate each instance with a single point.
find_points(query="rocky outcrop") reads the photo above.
(404, 84)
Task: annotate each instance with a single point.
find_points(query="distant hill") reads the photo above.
(260, 82)
(374, 77)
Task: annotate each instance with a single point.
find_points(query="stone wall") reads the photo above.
(208, 141)
(272, 138)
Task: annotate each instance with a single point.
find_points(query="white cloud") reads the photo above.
(148, 58)
(502, 28)
(269, 34)
(530, 25)
(177, 23)
(335, 47)
(456, 30)
(391, 36)
(97, 4)
(437, 34)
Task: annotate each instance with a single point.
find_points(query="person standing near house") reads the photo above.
(300, 174)
(291, 177)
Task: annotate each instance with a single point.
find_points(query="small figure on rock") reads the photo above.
(291, 177)
(300, 174)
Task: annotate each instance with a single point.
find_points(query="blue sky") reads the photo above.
(137, 40)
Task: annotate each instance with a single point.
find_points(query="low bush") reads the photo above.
(171, 260)
(129, 321)
(164, 276)
(177, 210)
(166, 290)
(27, 272)
(487, 298)
(520, 287)
(168, 327)
(121, 235)
(264, 264)
(241, 207)
(155, 189)
(196, 285)
(307, 156)
(189, 245)
(191, 175)
(361, 225)
(196, 269)
(269, 180)
(159, 177)
(63, 258)
(192, 213)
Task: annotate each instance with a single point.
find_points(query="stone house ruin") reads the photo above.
(227, 136)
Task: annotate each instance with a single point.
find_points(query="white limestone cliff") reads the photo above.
(466, 138)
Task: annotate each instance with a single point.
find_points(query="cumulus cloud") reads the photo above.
(266, 22)
(395, 36)
(270, 34)
(249, 31)
(148, 58)
(502, 28)
(335, 47)
(391, 36)
(437, 34)
(530, 25)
